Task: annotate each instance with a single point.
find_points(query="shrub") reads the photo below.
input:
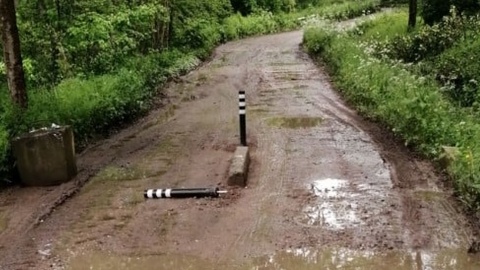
(316, 41)
(447, 49)
(246, 7)
(387, 3)
(429, 41)
(348, 10)
(434, 10)
(459, 70)
(262, 22)
(466, 170)
(199, 34)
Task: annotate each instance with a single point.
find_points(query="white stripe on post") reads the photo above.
(181, 193)
(242, 114)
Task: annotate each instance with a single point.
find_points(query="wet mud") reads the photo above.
(301, 258)
(326, 190)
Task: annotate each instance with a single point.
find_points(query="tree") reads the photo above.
(12, 55)
(412, 14)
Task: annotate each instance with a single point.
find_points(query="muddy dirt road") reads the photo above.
(327, 190)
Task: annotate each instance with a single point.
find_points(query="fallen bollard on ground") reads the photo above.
(182, 193)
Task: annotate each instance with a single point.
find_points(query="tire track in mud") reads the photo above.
(411, 214)
(409, 175)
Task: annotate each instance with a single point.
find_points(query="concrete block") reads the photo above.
(238, 172)
(45, 157)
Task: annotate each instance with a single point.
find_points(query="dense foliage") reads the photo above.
(434, 10)
(430, 41)
(374, 68)
(445, 50)
(393, 2)
(61, 39)
(248, 6)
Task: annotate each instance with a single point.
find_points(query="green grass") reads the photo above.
(343, 10)
(237, 26)
(412, 106)
(385, 27)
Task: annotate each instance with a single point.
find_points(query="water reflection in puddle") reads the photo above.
(330, 210)
(335, 216)
(102, 261)
(328, 187)
(300, 258)
(342, 258)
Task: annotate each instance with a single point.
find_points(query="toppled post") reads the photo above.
(182, 193)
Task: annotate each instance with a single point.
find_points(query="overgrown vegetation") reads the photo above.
(387, 3)
(94, 64)
(434, 10)
(343, 10)
(422, 84)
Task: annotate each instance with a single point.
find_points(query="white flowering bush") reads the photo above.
(430, 41)
(444, 51)
(458, 69)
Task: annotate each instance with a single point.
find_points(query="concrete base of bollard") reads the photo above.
(238, 172)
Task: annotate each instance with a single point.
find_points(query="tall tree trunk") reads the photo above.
(11, 53)
(412, 14)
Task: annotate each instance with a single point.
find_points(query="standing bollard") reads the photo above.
(241, 112)
(182, 193)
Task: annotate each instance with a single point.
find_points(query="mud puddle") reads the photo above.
(334, 214)
(300, 258)
(304, 258)
(294, 122)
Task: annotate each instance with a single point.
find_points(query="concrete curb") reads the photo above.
(238, 172)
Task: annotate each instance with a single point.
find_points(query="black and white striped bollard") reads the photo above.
(243, 123)
(182, 193)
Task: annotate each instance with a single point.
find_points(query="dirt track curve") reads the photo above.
(327, 190)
